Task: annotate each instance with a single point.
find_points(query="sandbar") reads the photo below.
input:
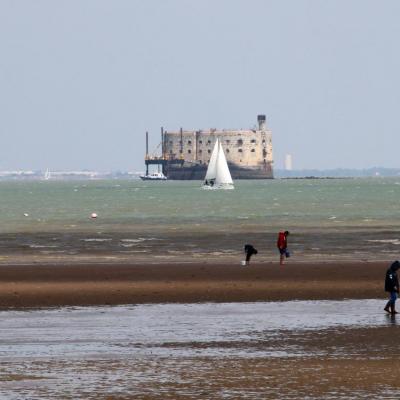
(49, 285)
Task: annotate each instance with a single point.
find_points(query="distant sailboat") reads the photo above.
(47, 175)
(218, 175)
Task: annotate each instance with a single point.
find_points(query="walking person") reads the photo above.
(282, 246)
(392, 286)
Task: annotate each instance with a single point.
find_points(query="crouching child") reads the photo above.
(249, 250)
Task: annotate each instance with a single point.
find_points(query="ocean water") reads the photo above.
(177, 220)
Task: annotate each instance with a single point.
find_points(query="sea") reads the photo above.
(178, 221)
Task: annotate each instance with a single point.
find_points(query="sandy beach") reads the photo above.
(73, 285)
(197, 330)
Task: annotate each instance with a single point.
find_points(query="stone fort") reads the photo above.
(186, 154)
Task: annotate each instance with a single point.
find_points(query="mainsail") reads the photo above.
(218, 175)
(223, 175)
(47, 175)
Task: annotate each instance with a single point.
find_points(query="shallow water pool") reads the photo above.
(171, 349)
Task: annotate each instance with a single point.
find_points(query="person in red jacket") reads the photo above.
(282, 246)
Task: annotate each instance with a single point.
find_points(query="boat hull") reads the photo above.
(152, 178)
(218, 187)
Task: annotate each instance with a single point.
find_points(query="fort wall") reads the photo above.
(248, 152)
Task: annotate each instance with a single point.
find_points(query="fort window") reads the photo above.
(227, 141)
(180, 151)
(180, 142)
(209, 151)
(209, 141)
(240, 151)
(200, 151)
(200, 142)
(189, 142)
(170, 142)
(240, 142)
(253, 140)
(227, 150)
(252, 150)
(170, 152)
(263, 141)
(189, 151)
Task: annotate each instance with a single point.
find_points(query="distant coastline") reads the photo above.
(279, 174)
(67, 175)
(338, 173)
(317, 177)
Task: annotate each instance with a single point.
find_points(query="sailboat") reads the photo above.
(47, 175)
(218, 175)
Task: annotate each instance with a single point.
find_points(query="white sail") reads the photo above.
(212, 165)
(47, 175)
(218, 175)
(223, 175)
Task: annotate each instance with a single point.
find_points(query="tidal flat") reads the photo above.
(293, 349)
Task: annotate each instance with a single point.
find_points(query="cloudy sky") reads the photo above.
(82, 80)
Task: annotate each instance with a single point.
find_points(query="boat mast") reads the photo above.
(162, 151)
(147, 152)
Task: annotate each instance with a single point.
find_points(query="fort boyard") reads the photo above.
(185, 154)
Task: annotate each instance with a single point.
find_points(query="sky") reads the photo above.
(81, 81)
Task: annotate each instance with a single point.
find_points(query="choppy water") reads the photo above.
(328, 218)
(174, 350)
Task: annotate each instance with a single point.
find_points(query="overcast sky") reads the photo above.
(81, 81)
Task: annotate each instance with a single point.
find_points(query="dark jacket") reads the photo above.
(391, 280)
(249, 249)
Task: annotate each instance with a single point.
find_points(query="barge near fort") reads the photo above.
(185, 154)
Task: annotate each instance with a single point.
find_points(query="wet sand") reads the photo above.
(102, 284)
(302, 349)
(229, 349)
(192, 243)
(208, 378)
